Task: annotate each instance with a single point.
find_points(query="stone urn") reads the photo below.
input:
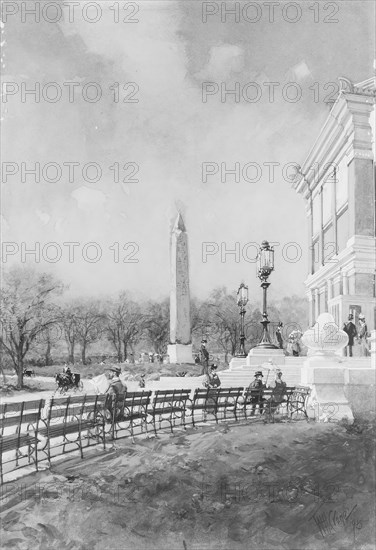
(325, 338)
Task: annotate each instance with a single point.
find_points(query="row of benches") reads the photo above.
(40, 430)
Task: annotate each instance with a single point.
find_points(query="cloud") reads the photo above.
(90, 200)
(224, 60)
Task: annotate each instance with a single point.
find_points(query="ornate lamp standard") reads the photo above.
(242, 301)
(265, 265)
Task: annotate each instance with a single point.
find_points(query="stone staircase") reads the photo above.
(244, 376)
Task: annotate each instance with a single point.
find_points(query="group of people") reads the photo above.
(360, 333)
(256, 392)
(293, 346)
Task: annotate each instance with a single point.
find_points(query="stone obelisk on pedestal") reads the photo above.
(180, 347)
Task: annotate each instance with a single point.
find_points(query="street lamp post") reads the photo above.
(265, 266)
(242, 301)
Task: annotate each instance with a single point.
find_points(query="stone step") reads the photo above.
(290, 374)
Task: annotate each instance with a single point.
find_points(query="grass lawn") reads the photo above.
(289, 486)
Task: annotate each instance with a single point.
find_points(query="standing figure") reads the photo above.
(204, 358)
(363, 336)
(257, 390)
(278, 334)
(351, 332)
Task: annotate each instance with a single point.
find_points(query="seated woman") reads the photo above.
(279, 391)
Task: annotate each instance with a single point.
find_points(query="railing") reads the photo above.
(35, 431)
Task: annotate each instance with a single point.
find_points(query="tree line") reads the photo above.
(35, 314)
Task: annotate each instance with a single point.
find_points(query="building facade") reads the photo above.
(337, 181)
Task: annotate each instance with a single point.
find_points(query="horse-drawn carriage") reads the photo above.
(67, 380)
(28, 372)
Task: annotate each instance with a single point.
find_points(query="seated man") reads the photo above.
(256, 393)
(115, 392)
(212, 379)
(67, 375)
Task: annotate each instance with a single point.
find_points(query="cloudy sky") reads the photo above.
(157, 145)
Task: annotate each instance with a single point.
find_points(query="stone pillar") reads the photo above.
(180, 348)
(324, 373)
(373, 348)
(317, 302)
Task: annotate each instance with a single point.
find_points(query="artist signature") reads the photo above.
(333, 521)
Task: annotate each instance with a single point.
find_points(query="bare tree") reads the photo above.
(68, 323)
(124, 324)
(26, 312)
(157, 325)
(88, 322)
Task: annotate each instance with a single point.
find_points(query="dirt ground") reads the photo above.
(227, 487)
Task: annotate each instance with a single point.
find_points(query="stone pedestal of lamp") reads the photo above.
(323, 372)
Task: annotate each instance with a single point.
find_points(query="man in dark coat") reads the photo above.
(115, 392)
(257, 389)
(351, 332)
(204, 358)
(212, 380)
(278, 334)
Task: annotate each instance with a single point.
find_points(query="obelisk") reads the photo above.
(180, 347)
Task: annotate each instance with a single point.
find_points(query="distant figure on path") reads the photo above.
(278, 334)
(142, 381)
(363, 336)
(351, 332)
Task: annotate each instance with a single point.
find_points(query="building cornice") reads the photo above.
(345, 130)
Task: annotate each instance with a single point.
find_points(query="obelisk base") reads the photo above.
(256, 356)
(180, 353)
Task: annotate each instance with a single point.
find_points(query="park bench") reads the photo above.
(168, 406)
(215, 401)
(17, 443)
(270, 401)
(126, 413)
(32, 431)
(72, 421)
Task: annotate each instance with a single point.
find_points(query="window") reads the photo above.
(329, 243)
(327, 193)
(316, 213)
(342, 230)
(315, 255)
(342, 184)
